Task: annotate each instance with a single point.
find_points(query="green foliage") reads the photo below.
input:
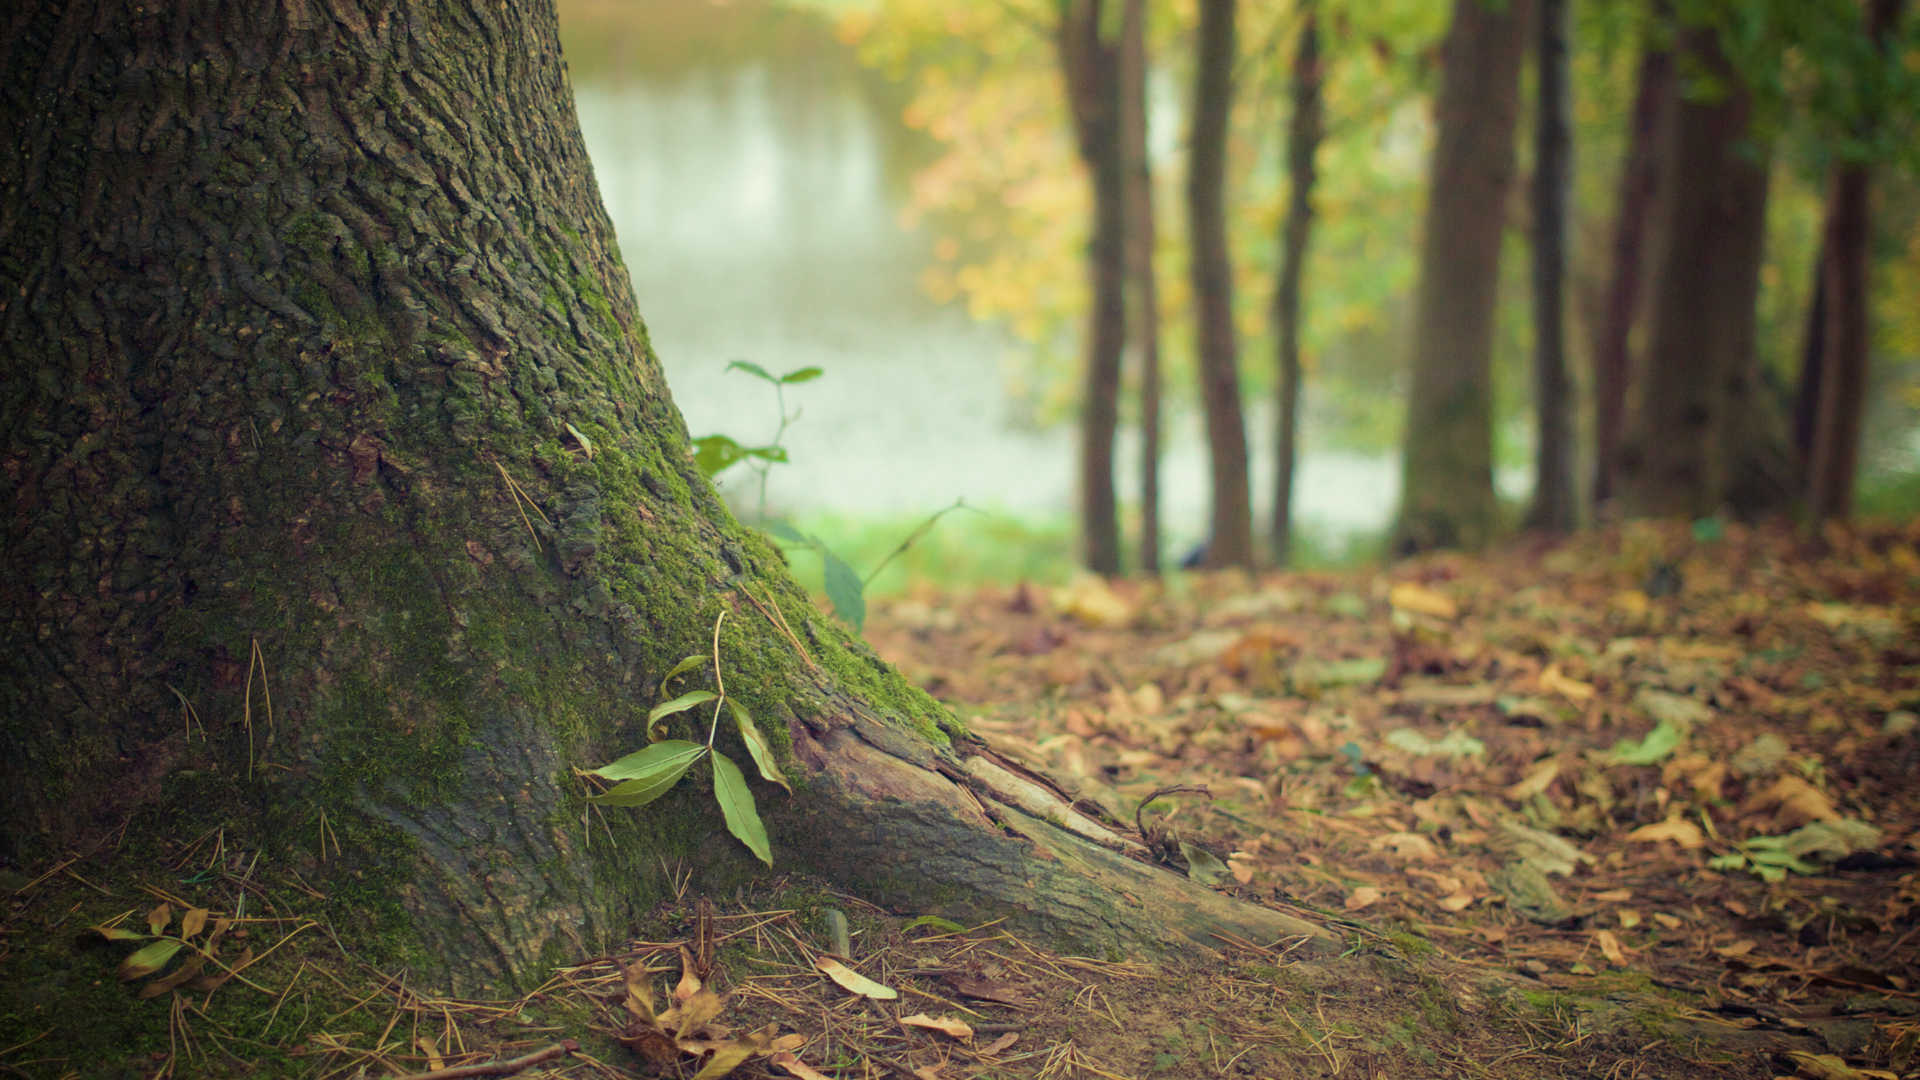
(714, 454)
(650, 772)
(201, 970)
(1805, 850)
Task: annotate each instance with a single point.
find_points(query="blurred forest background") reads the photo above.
(1444, 269)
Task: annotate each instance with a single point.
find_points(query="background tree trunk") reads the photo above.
(1143, 303)
(1090, 64)
(1698, 402)
(343, 486)
(1304, 132)
(1447, 464)
(1846, 334)
(1230, 543)
(1555, 507)
(1639, 186)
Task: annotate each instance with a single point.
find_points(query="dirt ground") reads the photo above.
(1638, 805)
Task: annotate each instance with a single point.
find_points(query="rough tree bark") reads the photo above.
(1090, 64)
(1304, 132)
(1689, 443)
(1143, 291)
(1639, 186)
(1446, 495)
(1554, 507)
(342, 484)
(1230, 541)
(1842, 379)
(1143, 287)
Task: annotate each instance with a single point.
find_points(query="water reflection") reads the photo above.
(755, 175)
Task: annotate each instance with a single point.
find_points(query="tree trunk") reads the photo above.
(1230, 541)
(1813, 361)
(1684, 453)
(1846, 334)
(1639, 186)
(1447, 466)
(1554, 508)
(1143, 302)
(345, 497)
(1303, 142)
(1090, 65)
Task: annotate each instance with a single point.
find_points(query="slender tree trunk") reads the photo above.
(1143, 302)
(1555, 508)
(1230, 543)
(1090, 64)
(1846, 335)
(1813, 362)
(1303, 142)
(1447, 465)
(1686, 449)
(1639, 187)
(344, 496)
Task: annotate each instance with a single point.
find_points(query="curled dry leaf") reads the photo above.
(1610, 947)
(853, 981)
(1363, 897)
(951, 1028)
(1680, 831)
(1535, 782)
(1421, 600)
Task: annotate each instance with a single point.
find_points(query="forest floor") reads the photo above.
(1642, 804)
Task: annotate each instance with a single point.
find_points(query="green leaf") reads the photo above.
(1202, 866)
(649, 762)
(149, 959)
(758, 746)
(1659, 745)
(652, 778)
(766, 453)
(120, 933)
(787, 534)
(681, 668)
(678, 705)
(713, 454)
(945, 926)
(845, 591)
(736, 805)
(752, 368)
(800, 375)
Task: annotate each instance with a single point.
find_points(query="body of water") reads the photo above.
(756, 176)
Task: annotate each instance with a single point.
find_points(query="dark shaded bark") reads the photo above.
(1554, 508)
(1304, 131)
(1090, 66)
(343, 486)
(1813, 344)
(1698, 439)
(1143, 295)
(1845, 335)
(1632, 224)
(1447, 455)
(1230, 539)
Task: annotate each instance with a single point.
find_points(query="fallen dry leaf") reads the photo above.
(1680, 831)
(1421, 600)
(853, 981)
(949, 1027)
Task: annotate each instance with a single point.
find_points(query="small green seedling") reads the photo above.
(645, 775)
(714, 454)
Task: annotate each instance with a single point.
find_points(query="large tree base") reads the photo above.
(961, 831)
